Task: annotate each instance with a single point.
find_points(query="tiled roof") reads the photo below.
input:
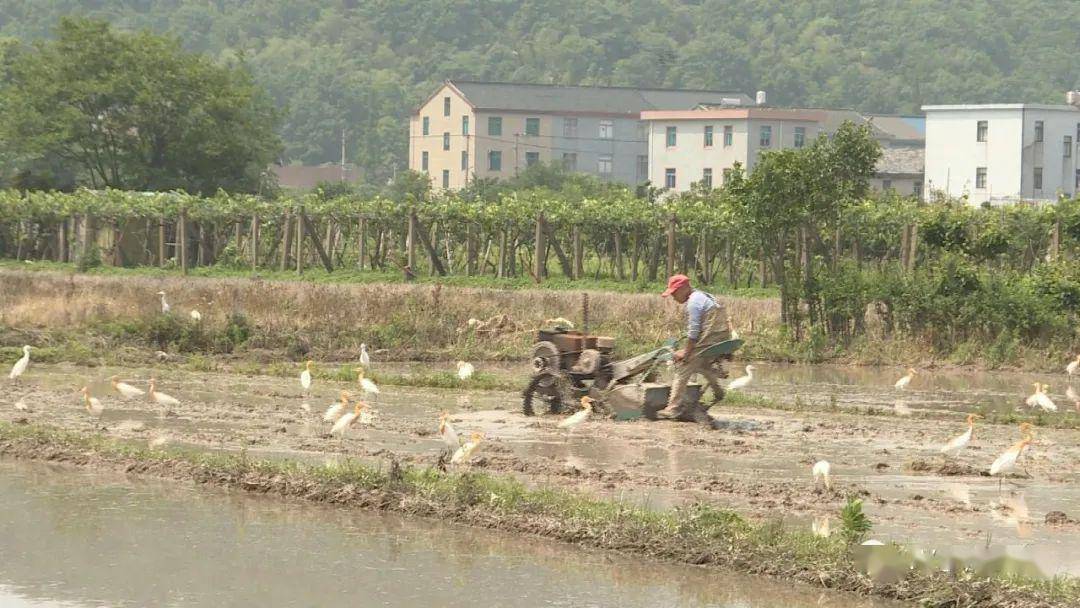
(901, 161)
(559, 98)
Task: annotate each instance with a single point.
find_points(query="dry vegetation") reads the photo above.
(332, 320)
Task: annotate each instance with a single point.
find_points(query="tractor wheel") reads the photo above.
(541, 384)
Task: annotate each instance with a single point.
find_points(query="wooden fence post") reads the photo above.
(161, 242)
(62, 241)
(181, 239)
(1055, 241)
(539, 247)
(410, 242)
(913, 247)
(300, 240)
(671, 245)
(255, 229)
(361, 243)
(286, 241)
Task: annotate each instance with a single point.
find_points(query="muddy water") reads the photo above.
(74, 539)
(764, 473)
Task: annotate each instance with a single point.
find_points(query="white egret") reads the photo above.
(447, 432)
(1073, 366)
(902, 383)
(305, 376)
(341, 427)
(1007, 461)
(365, 358)
(958, 443)
(196, 315)
(126, 390)
(21, 365)
(93, 404)
(337, 409)
(820, 526)
(465, 452)
(165, 308)
(465, 370)
(1031, 400)
(21, 406)
(577, 418)
(822, 473)
(366, 384)
(166, 401)
(742, 381)
(731, 328)
(1043, 400)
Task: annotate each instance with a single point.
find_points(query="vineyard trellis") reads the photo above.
(532, 233)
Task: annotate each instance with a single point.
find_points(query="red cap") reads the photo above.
(674, 283)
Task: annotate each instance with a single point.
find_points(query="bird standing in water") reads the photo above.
(93, 404)
(574, 420)
(447, 432)
(336, 410)
(822, 473)
(742, 381)
(126, 390)
(465, 452)
(342, 425)
(365, 358)
(1007, 461)
(305, 376)
(1073, 366)
(464, 370)
(958, 443)
(20, 366)
(902, 383)
(166, 401)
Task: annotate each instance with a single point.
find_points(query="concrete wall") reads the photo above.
(901, 185)
(690, 156)
(438, 158)
(1010, 152)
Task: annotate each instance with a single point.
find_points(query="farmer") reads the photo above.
(705, 327)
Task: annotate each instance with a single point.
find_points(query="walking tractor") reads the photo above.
(568, 365)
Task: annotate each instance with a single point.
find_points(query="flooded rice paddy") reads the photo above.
(74, 539)
(891, 461)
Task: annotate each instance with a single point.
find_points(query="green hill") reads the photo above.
(363, 64)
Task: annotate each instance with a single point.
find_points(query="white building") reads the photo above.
(690, 146)
(700, 145)
(1002, 152)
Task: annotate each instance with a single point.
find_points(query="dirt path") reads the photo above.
(764, 473)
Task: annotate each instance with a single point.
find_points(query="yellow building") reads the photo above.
(493, 130)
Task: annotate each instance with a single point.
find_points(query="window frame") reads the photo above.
(464, 160)
(671, 136)
(532, 157)
(982, 130)
(609, 127)
(570, 166)
(425, 125)
(670, 175)
(981, 177)
(605, 158)
(1040, 131)
(445, 178)
(532, 121)
(1037, 178)
(729, 136)
(642, 166)
(465, 124)
(493, 156)
(446, 141)
(764, 142)
(706, 177)
(708, 136)
(799, 137)
(446, 106)
(570, 127)
(1067, 144)
(495, 121)
(425, 160)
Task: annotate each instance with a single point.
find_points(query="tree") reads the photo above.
(134, 111)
